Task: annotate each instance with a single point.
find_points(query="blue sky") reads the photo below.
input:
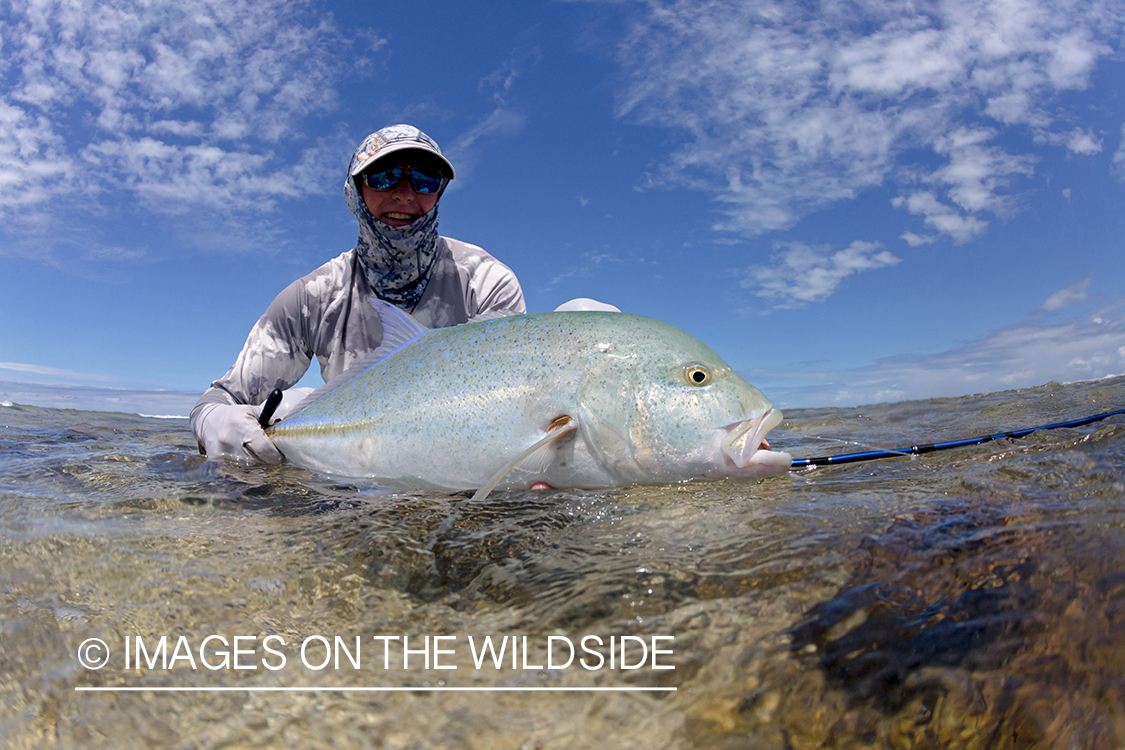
(851, 202)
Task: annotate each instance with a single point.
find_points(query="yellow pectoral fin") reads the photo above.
(536, 458)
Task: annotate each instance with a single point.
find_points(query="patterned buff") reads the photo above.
(396, 260)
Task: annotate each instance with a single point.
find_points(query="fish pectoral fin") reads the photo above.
(612, 446)
(539, 456)
(536, 458)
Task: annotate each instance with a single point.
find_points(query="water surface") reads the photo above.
(973, 598)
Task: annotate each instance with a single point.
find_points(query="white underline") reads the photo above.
(371, 689)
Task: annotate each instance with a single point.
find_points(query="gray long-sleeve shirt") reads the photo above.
(326, 314)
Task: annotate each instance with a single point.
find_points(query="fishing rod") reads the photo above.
(917, 450)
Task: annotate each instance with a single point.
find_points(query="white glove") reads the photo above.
(233, 430)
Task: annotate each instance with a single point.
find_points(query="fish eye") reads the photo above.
(697, 374)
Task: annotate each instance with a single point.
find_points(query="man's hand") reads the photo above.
(233, 431)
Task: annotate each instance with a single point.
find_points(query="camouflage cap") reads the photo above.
(395, 138)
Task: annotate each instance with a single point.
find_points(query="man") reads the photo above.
(394, 183)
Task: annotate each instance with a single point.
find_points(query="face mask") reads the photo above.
(396, 260)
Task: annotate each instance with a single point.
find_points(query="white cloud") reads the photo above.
(52, 372)
(505, 120)
(1083, 142)
(787, 107)
(180, 104)
(100, 397)
(975, 172)
(1119, 158)
(915, 240)
(595, 264)
(31, 158)
(944, 218)
(502, 121)
(1072, 295)
(802, 274)
(175, 179)
(1018, 356)
(972, 178)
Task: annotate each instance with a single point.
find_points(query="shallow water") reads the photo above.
(972, 598)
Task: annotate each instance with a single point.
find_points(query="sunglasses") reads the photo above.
(422, 180)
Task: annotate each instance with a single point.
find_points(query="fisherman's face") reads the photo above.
(400, 205)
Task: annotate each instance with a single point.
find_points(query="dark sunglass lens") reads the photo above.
(384, 180)
(424, 181)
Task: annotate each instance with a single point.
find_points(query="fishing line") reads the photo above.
(848, 458)
(917, 450)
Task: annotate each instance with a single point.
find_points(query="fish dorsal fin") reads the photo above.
(536, 458)
(399, 331)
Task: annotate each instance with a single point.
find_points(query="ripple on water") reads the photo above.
(973, 598)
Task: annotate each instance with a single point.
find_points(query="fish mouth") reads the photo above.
(745, 442)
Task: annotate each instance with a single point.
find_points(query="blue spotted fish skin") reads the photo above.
(451, 408)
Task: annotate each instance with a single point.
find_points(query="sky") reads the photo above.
(851, 202)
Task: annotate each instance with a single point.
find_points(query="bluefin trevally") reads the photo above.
(571, 399)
